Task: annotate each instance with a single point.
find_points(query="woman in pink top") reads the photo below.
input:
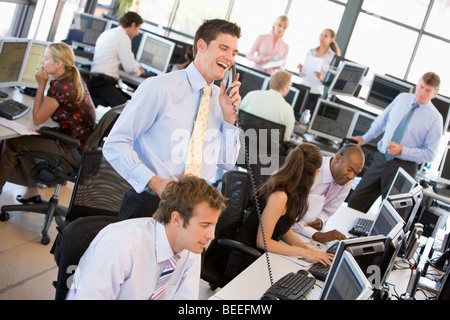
(270, 46)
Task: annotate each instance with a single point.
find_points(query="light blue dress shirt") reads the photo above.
(151, 136)
(125, 260)
(421, 139)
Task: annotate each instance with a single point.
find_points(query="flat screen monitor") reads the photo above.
(303, 96)
(32, 63)
(362, 124)
(442, 103)
(86, 29)
(387, 221)
(12, 56)
(251, 80)
(331, 121)
(444, 168)
(154, 53)
(347, 282)
(392, 247)
(402, 183)
(347, 79)
(384, 89)
(407, 205)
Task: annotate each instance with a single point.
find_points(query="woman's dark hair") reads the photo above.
(295, 178)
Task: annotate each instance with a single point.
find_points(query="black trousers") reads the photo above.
(105, 88)
(377, 180)
(138, 205)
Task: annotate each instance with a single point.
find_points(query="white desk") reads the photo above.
(251, 283)
(26, 120)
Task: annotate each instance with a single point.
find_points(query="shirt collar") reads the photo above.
(195, 78)
(327, 177)
(163, 248)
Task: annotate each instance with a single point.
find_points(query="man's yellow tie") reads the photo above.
(195, 152)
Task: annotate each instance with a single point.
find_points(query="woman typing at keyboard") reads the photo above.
(284, 200)
(67, 102)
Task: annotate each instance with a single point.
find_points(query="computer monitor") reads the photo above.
(387, 221)
(86, 29)
(32, 63)
(402, 183)
(331, 121)
(12, 56)
(303, 96)
(154, 53)
(362, 124)
(407, 205)
(384, 89)
(444, 168)
(392, 247)
(442, 103)
(347, 79)
(347, 281)
(251, 80)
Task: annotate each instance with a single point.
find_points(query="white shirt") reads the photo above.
(314, 82)
(124, 262)
(321, 204)
(112, 49)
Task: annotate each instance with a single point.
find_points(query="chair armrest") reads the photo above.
(53, 134)
(236, 245)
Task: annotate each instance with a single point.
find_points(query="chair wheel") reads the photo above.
(4, 216)
(45, 239)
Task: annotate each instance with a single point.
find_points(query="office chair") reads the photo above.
(87, 75)
(235, 187)
(52, 170)
(76, 238)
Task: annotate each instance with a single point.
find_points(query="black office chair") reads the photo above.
(87, 75)
(52, 170)
(76, 238)
(216, 271)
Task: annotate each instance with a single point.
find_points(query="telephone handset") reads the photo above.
(231, 78)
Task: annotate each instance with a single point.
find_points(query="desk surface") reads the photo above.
(251, 283)
(26, 120)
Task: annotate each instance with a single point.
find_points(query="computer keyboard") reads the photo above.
(361, 227)
(319, 271)
(292, 286)
(442, 191)
(148, 74)
(12, 109)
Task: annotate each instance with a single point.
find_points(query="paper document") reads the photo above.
(274, 63)
(311, 66)
(17, 127)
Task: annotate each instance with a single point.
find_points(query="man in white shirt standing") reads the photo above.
(330, 188)
(128, 260)
(112, 50)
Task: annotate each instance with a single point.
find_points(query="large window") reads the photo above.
(400, 38)
(255, 18)
(190, 14)
(308, 20)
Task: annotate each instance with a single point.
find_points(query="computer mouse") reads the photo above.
(303, 271)
(269, 296)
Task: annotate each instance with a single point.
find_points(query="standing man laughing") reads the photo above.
(149, 143)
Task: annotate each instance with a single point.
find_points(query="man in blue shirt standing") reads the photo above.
(418, 143)
(149, 143)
